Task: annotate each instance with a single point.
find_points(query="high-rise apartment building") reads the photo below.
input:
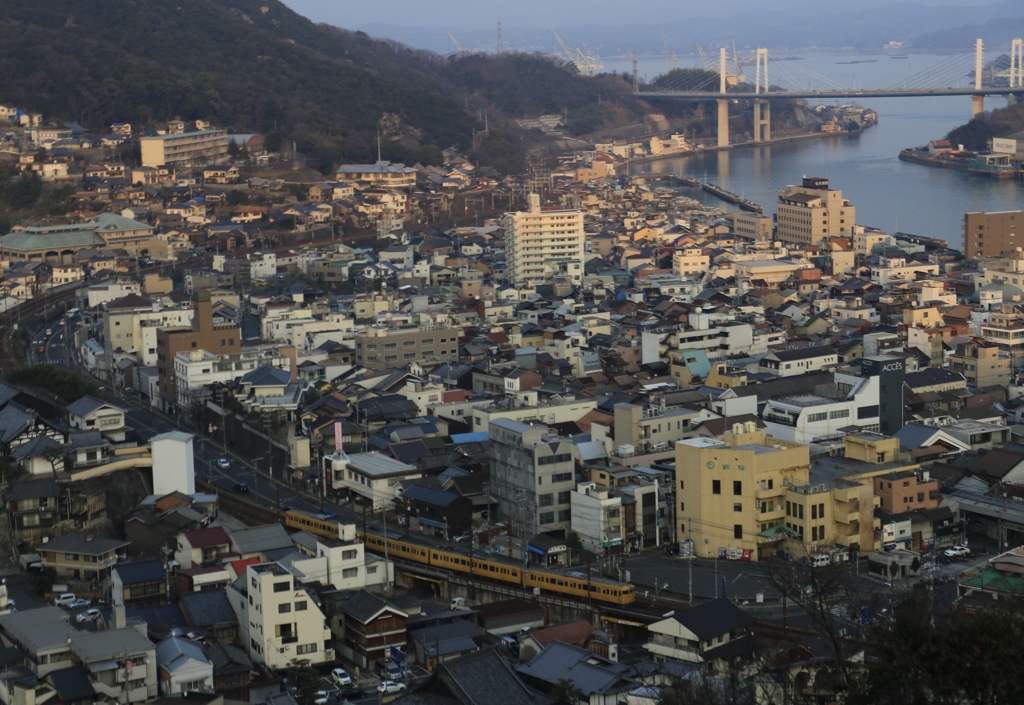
(811, 212)
(543, 243)
(283, 623)
(186, 149)
(993, 234)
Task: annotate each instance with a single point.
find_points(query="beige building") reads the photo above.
(383, 174)
(381, 347)
(284, 623)
(981, 363)
(539, 240)
(690, 262)
(811, 212)
(187, 148)
(753, 226)
(992, 234)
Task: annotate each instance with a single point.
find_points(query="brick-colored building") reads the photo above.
(202, 335)
(905, 491)
(993, 234)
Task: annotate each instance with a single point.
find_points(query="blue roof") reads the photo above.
(430, 495)
(142, 572)
(477, 437)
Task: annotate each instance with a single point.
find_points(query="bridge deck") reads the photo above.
(867, 93)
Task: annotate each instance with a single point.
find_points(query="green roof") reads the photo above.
(989, 578)
(84, 234)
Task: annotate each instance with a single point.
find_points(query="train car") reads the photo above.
(397, 548)
(599, 589)
(313, 523)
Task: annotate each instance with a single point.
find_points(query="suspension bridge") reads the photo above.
(947, 77)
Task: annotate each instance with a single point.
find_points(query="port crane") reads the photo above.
(731, 77)
(673, 61)
(458, 47)
(586, 63)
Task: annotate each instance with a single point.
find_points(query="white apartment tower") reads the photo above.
(543, 243)
(284, 624)
(809, 213)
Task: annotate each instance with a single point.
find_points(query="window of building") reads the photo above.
(300, 606)
(564, 515)
(564, 497)
(390, 358)
(282, 587)
(409, 356)
(814, 511)
(349, 554)
(817, 417)
(561, 477)
(302, 649)
(737, 487)
(839, 414)
(547, 518)
(800, 511)
(737, 531)
(350, 572)
(737, 507)
(545, 500)
(428, 341)
(409, 344)
(716, 487)
(682, 506)
(390, 346)
(284, 607)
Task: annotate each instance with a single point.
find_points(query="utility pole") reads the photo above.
(689, 524)
(256, 476)
(387, 573)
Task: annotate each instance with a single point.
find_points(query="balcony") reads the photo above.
(673, 651)
(289, 640)
(846, 517)
(776, 513)
(770, 493)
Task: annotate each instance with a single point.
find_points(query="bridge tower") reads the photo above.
(762, 108)
(1016, 67)
(978, 100)
(723, 103)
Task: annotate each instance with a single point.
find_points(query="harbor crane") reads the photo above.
(586, 63)
(673, 61)
(731, 77)
(738, 70)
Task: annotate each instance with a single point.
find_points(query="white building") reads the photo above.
(98, 294)
(263, 265)
(284, 623)
(536, 238)
(597, 517)
(182, 667)
(344, 564)
(195, 369)
(897, 269)
(817, 418)
(689, 262)
(371, 476)
(173, 463)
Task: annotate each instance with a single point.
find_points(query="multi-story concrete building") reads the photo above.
(690, 262)
(812, 212)
(907, 490)
(981, 363)
(753, 226)
(370, 478)
(992, 234)
(196, 369)
(532, 475)
(819, 417)
(539, 239)
(130, 324)
(891, 270)
(383, 174)
(381, 347)
(185, 149)
(284, 623)
(224, 338)
(597, 517)
(1005, 328)
(751, 496)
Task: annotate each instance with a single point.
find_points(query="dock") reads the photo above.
(730, 197)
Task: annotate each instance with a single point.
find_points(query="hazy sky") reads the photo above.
(560, 13)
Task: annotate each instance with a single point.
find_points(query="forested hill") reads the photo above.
(255, 65)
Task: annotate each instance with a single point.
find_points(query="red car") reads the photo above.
(41, 349)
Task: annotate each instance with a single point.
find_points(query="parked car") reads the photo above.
(389, 687)
(64, 599)
(353, 694)
(463, 536)
(80, 603)
(90, 615)
(241, 487)
(321, 698)
(224, 463)
(341, 676)
(958, 551)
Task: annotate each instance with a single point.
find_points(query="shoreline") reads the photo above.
(735, 145)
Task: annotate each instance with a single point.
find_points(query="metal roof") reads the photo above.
(376, 465)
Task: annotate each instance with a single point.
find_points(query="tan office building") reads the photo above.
(812, 212)
(537, 239)
(993, 234)
(380, 347)
(188, 148)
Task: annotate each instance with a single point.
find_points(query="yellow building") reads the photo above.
(751, 496)
(813, 212)
(188, 148)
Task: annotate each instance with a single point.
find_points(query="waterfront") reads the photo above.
(888, 193)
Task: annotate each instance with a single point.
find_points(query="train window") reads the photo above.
(515, 573)
(561, 583)
(435, 556)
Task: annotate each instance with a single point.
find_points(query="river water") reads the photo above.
(888, 194)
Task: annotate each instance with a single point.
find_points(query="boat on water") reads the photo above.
(789, 58)
(899, 56)
(859, 61)
(730, 197)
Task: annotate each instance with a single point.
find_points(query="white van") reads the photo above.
(64, 599)
(821, 560)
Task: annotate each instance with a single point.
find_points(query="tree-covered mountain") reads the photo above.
(255, 65)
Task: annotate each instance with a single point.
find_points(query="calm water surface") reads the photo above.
(888, 193)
